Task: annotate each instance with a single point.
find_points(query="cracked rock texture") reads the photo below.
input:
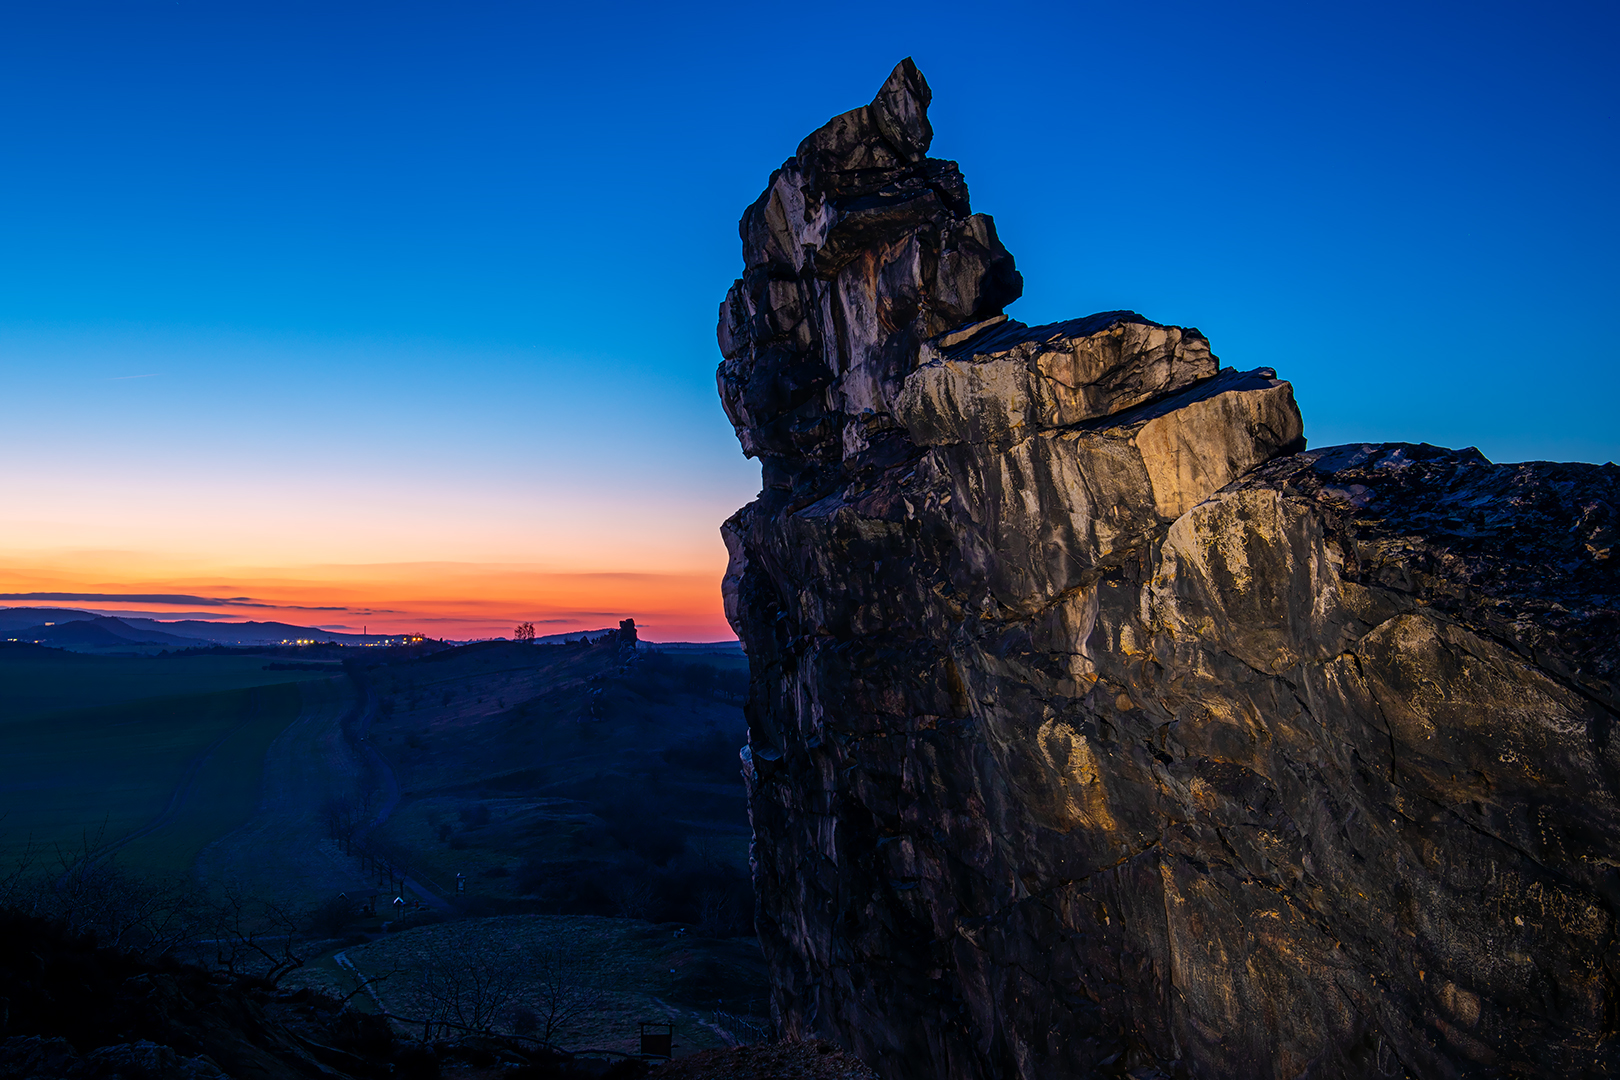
(1097, 727)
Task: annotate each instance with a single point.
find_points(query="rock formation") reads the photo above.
(1097, 727)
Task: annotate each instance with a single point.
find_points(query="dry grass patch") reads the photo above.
(590, 980)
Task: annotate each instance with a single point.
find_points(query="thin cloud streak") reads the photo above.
(161, 598)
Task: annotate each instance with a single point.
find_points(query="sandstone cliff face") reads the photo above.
(1097, 727)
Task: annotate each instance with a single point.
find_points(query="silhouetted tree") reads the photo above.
(344, 817)
(255, 938)
(91, 894)
(562, 995)
(633, 898)
(467, 991)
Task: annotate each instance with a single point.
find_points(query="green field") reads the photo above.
(179, 770)
(38, 681)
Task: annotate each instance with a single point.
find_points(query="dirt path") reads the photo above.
(283, 852)
(383, 775)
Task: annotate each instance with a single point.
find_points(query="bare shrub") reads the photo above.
(467, 992)
(17, 883)
(253, 938)
(744, 1030)
(708, 851)
(562, 994)
(540, 995)
(524, 1021)
(633, 898)
(717, 915)
(344, 816)
(91, 894)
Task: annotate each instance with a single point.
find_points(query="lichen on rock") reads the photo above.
(1097, 726)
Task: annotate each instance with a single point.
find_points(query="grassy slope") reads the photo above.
(642, 971)
(103, 772)
(34, 682)
(226, 789)
(550, 759)
(577, 764)
(285, 853)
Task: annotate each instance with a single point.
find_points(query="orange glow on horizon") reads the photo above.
(458, 601)
(466, 552)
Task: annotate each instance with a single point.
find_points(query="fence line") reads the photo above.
(745, 1029)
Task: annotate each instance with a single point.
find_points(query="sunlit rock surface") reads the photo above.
(1096, 726)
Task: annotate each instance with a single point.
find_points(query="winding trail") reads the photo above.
(385, 778)
(342, 960)
(284, 852)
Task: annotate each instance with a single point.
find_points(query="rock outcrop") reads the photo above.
(1097, 727)
(72, 1011)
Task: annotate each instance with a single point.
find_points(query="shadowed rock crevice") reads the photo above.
(1096, 726)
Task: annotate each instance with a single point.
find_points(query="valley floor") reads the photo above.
(550, 819)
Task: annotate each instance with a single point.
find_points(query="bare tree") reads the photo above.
(343, 819)
(386, 861)
(633, 898)
(709, 852)
(562, 994)
(715, 914)
(18, 883)
(91, 894)
(467, 992)
(541, 996)
(254, 938)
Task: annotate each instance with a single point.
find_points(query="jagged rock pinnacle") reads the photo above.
(1096, 725)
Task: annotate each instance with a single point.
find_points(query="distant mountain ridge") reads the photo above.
(254, 633)
(18, 618)
(69, 628)
(96, 632)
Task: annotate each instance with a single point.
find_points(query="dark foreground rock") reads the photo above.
(773, 1061)
(70, 1009)
(1097, 727)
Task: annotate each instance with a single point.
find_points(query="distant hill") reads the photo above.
(97, 632)
(695, 646)
(655, 646)
(13, 649)
(81, 634)
(49, 626)
(21, 618)
(574, 635)
(248, 633)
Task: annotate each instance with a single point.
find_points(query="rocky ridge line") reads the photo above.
(1096, 726)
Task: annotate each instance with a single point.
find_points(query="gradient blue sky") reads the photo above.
(287, 289)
